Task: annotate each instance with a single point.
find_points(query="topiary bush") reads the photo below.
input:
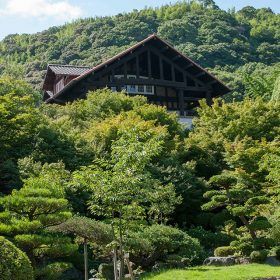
(224, 251)
(14, 264)
(159, 241)
(259, 256)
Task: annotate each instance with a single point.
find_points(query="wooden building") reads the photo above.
(152, 68)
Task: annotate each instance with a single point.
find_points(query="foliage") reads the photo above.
(14, 264)
(208, 239)
(224, 251)
(19, 119)
(58, 271)
(157, 242)
(93, 231)
(258, 256)
(40, 203)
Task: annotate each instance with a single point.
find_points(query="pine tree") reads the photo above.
(28, 213)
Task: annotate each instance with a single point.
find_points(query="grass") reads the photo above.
(236, 272)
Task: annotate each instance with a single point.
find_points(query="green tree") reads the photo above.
(122, 188)
(241, 197)
(40, 203)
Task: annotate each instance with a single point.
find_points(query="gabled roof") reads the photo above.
(192, 67)
(68, 69)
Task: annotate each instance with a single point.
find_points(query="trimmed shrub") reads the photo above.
(58, 271)
(14, 264)
(259, 256)
(243, 246)
(224, 251)
(159, 241)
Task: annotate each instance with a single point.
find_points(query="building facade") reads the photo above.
(152, 68)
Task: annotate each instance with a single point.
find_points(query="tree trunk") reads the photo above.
(115, 260)
(129, 268)
(121, 249)
(115, 263)
(246, 223)
(242, 218)
(86, 259)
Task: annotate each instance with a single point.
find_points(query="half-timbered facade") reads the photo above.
(152, 68)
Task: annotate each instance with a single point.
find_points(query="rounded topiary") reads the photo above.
(14, 264)
(259, 256)
(224, 251)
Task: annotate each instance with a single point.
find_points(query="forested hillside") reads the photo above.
(229, 42)
(109, 175)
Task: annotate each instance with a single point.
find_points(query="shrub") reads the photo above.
(224, 251)
(263, 243)
(58, 271)
(259, 256)
(14, 264)
(243, 246)
(208, 239)
(276, 251)
(159, 241)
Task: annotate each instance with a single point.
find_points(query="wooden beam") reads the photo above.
(173, 72)
(176, 57)
(177, 67)
(117, 63)
(212, 82)
(181, 102)
(149, 64)
(191, 98)
(209, 97)
(152, 82)
(189, 66)
(161, 68)
(137, 67)
(200, 74)
(125, 70)
(164, 49)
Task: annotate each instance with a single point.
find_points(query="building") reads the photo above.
(152, 68)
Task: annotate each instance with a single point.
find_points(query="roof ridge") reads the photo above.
(69, 65)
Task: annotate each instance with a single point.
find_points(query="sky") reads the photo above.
(30, 16)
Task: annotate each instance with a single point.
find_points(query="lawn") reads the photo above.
(236, 272)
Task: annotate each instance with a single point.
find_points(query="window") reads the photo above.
(131, 88)
(114, 89)
(141, 89)
(149, 89)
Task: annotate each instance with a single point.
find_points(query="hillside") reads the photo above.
(225, 42)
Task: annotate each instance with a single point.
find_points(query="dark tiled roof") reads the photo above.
(69, 69)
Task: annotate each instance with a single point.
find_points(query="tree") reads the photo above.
(87, 229)
(19, 120)
(40, 203)
(241, 196)
(122, 188)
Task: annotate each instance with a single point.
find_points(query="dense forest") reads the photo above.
(111, 174)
